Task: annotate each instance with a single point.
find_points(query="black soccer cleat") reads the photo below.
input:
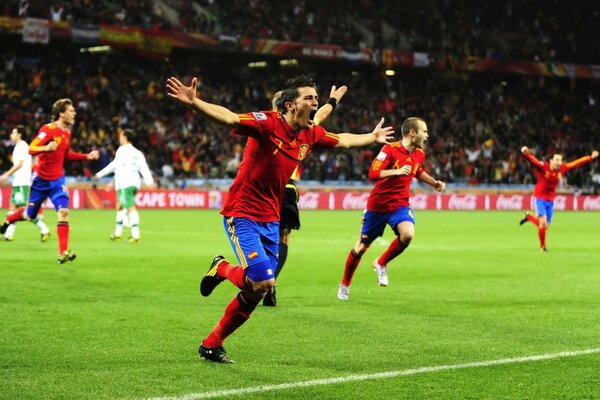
(524, 220)
(65, 256)
(4, 227)
(211, 279)
(270, 299)
(215, 354)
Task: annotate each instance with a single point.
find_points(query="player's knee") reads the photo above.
(405, 238)
(262, 287)
(360, 248)
(63, 214)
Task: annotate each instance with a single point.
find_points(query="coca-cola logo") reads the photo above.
(514, 202)
(591, 203)
(309, 201)
(355, 201)
(466, 202)
(418, 202)
(560, 203)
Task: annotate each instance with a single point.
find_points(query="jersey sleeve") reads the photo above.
(324, 139)
(254, 124)
(380, 163)
(534, 161)
(41, 139)
(145, 170)
(577, 163)
(21, 152)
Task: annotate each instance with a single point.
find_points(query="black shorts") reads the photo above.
(290, 216)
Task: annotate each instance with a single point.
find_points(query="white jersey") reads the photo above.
(22, 176)
(128, 165)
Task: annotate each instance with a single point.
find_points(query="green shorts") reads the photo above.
(126, 197)
(20, 195)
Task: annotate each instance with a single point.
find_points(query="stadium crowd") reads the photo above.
(515, 30)
(477, 123)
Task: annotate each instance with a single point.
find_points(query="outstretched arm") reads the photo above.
(187, 96)
(335, 95)
(379, 135)
(531, 158)
(581, 161)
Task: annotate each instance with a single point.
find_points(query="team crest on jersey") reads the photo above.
(252, 255)
(381, 156)
(303, 151)
(260, 116)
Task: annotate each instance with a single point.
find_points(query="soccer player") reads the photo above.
(128, 165)
(21, 172)
(289, 213)
(52, 146)
(548, 177)
(393, 171)
(277, 143)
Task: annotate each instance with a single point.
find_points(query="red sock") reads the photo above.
(234, 273)
(236, 313)
(351, 264)
(62, 229)
(542, 235)
(533, 219)
(395, 249)
(16, 216)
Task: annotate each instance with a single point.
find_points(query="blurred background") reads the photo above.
(488, 77)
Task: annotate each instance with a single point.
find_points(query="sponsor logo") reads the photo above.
(591, 203)
(260, 116)
(466, 202)
(514, 202)
(560, 203)
(418, 201)
(355, 201)
(309, 201)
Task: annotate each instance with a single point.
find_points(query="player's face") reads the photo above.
(68, 116)
(304, 107)
(555, 162)
(421, 135)
(14, 136)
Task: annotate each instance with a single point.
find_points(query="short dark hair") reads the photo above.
(290, 89)
(410, 123)
(22, 131)
(129, 134)
(60, 106)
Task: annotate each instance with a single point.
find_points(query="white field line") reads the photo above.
(379, 375)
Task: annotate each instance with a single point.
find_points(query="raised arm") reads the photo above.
(187, 96)
(581, 161)
(531, 158)
(379, 135)
(335, 95)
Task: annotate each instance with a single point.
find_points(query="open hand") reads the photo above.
(178, 91)
(383, 135)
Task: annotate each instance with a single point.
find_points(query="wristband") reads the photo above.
(333, 102)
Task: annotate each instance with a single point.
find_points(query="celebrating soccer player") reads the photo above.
(128, 165)
(52, 145)
(277, 143)
(392, 170)
(21, 172)
(548, 177)
(289, 214)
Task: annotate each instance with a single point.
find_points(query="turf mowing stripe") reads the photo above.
(380, 375)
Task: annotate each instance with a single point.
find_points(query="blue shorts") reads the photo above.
(256, 246)
(543, 208)
(42, 189)
(373, 223)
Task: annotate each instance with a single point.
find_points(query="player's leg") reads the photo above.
(270, 299)
(372, 226)
(545, 224)
(59, 195)
(120, 216)
(255, 276)
(402, 222)
(127, 201)
(38, 220)
(23, 213)
(12, 207)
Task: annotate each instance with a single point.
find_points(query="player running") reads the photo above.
(548, 177)
(393, 171)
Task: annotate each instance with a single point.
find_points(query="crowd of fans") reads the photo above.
(546, 31)
(477, 123)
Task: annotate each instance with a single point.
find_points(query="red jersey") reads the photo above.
(548, 179)
(272, 153)
(50, 163)
(393, 192)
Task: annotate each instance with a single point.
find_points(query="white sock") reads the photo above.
(40, 224)
(121, 214)
(134, 220)
(10, 231)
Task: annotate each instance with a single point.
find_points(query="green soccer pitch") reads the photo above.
(473, 310)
